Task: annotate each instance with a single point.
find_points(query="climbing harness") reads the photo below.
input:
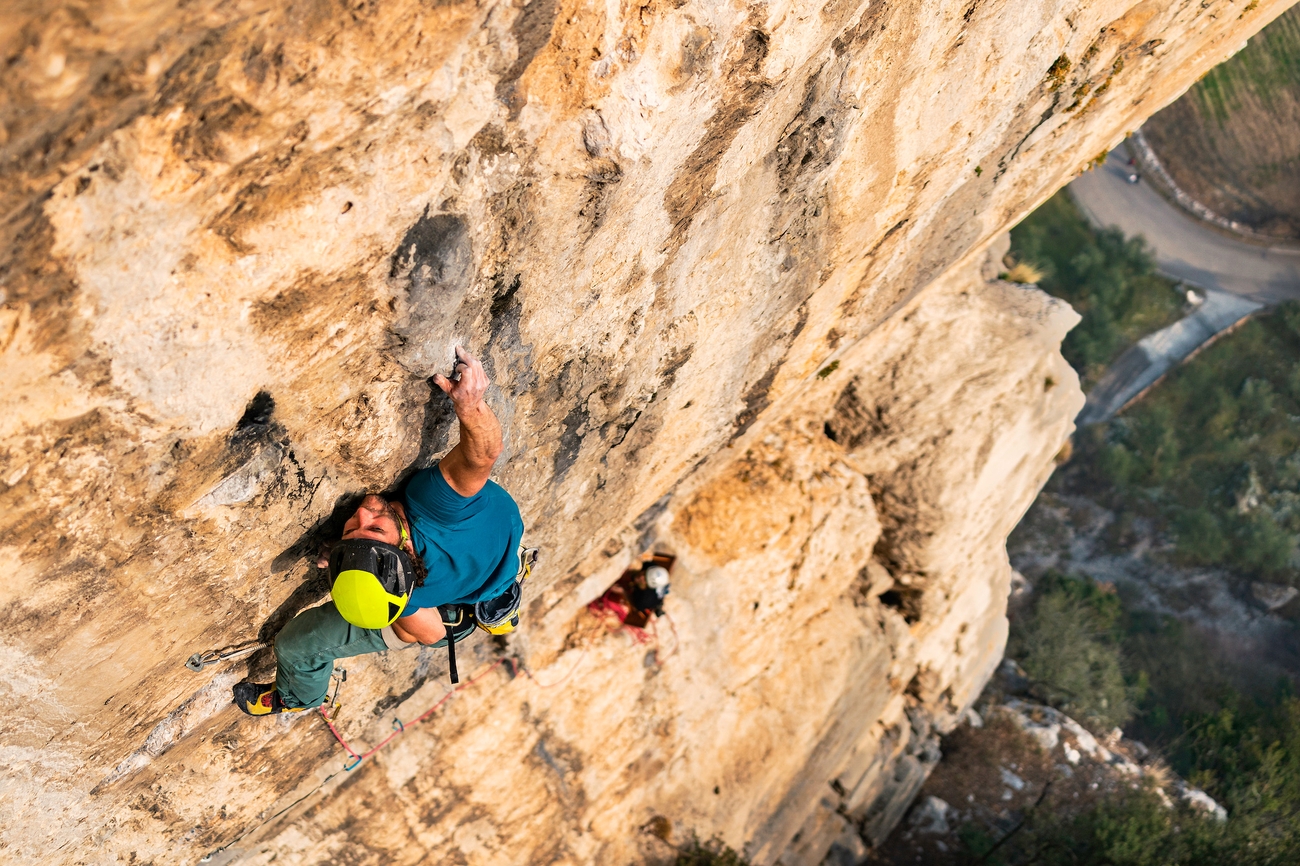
(199, 661)
(496, 616)
(500, 615)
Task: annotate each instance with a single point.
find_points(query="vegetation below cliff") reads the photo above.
(1020, 792)
(1141, 556)
(1210, 456)
(1108, 278)
(1112, 663)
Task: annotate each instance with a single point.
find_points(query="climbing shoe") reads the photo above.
(261, 699)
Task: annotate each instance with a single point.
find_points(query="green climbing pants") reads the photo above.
(305, 651)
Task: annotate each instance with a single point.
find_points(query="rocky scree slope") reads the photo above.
(723, 263)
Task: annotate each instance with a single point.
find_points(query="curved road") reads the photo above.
(1185, 249)
(1236, 277)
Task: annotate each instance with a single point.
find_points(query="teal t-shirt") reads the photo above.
(470, 544)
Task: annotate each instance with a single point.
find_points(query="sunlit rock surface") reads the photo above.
(725, 263)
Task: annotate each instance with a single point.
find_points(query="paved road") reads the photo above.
(1145, 364)
(1186, 249)
(1236, 277)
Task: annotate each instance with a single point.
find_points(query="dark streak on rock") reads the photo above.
(852, 421)
(602, 176)
(894, 229)
(621, 425)
(570, 441)
(693, 185)
(644, 523)
(756, 400)
(1005, 162)
(532, 30)
(257, 416)
(435, 431)
(651, 514)
(673, 363)
(433, 255)
(852, 39)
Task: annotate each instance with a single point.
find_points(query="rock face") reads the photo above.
(725, 263)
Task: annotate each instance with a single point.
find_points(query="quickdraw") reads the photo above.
(199, 661)
(332, 706)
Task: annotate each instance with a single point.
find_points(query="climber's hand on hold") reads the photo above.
(467, 466)
(323, 558)
(471, 383)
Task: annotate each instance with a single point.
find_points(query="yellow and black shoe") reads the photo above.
(261, 699)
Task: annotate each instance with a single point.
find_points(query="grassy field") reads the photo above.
(1233, 140)
(1268, 68)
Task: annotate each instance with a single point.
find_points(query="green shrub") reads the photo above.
(1265, 546)
(1131, 830)
(1248, 756)
(1107, 278)
(1138, 828)
(1068, 644)
(1200, 538)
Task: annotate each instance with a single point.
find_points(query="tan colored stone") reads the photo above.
(687, 239)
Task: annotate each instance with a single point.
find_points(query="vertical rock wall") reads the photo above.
(724, 263)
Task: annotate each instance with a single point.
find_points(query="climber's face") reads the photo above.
(375, 519)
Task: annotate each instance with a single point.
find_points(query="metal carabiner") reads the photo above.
(201, 660)
(339, 677)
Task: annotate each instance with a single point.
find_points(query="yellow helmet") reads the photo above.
(370, 581)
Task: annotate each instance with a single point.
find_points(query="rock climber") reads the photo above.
(451, 539)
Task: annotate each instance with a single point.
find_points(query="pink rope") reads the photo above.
(640, 635)
(399, 727)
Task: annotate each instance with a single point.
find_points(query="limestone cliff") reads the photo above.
(724, 264)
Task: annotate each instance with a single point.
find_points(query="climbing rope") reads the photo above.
(399, 727)
(639, 635)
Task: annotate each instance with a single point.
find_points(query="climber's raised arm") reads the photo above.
(411, 570)
(467, 466)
